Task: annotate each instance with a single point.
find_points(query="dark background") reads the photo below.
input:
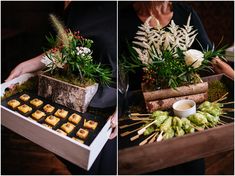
(24, 26)
(217, 18)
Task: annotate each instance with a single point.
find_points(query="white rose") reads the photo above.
(193, 56)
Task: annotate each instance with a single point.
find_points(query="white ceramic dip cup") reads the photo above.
(184, 108)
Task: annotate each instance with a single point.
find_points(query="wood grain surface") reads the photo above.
(155, 156)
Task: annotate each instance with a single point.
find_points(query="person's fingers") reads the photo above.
(12, 76)
(222, 67)
(218, 65)
(214, 61)
(113, 125)
(113, 134)
(17, 71)
(113, 121)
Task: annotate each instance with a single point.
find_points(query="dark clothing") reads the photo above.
(97, 21)
(105, 163)
(128, 23)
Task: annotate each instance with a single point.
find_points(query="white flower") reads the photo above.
(193, 56)
(173, 38)
(83, 50)
(167, 40)
(45, 60)
(143, 56)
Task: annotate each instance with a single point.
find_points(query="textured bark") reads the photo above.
(71, 96)
(180, 91)
(168, 102)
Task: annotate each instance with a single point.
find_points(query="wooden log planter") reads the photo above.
(69, 95)
(164, 98)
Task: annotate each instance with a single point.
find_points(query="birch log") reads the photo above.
(69, 95)
(168, 102)
(180, 91)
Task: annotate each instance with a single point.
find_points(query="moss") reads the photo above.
(216, 90)
(29, 85)
(72, 79)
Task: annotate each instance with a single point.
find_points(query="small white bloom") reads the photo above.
(167, 40)
(45, 60)
(193, 56)
(83, 50)
(173, 38)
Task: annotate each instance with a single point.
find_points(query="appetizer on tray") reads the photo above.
(68, 127)
(52, 120)
(38, 114)
(24, 108)
(82, 133)
(36, 102)
(13, 103)
(48, 108)
(75, 118)
(24, 97)
(90, 124)
(61, 113)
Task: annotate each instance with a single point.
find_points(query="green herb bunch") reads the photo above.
(71, 58)
(165, 57)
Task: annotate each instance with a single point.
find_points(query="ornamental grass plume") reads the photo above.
(59, 27)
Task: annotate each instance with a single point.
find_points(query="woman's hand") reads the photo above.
(28, 66)
(17, 71)
(222, 67)
(113, 125)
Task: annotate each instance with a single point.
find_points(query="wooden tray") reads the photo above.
(82, 155)
(155, 156)
(134, 159)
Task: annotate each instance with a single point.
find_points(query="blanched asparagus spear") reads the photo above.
(149, 130)
(169, 134)
(160, 117)
(212, 120)
(177, 126)
(198, 119)
(166, 124)
(176, 122)
(187, 126)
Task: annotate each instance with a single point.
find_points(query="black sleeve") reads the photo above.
(202, 36)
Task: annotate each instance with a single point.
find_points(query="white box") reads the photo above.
(73, 151)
